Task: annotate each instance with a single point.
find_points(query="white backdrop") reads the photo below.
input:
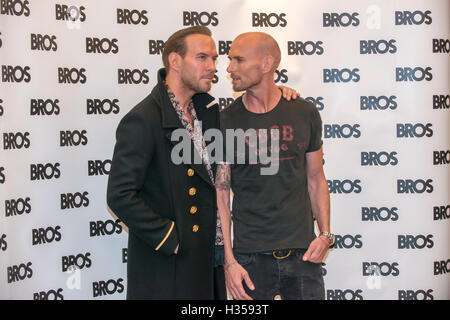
(377, 70)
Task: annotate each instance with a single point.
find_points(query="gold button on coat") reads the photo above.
(193, 210)
(195, 228)
(192, 191)
(190, 172)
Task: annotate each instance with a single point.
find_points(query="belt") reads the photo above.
(281, 254)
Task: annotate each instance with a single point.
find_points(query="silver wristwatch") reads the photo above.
(329, 235)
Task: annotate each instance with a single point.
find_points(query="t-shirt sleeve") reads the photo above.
(315, 142)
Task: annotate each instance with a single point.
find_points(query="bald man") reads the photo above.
(275, 250)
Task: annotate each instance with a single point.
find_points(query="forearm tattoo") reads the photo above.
(223, 177)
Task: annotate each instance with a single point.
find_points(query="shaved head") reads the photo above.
(254, 58)
(265, 44)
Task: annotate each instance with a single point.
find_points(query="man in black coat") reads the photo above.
(170, 210)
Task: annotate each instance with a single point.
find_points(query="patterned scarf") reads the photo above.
(195, 132)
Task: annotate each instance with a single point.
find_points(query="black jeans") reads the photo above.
(291, 278)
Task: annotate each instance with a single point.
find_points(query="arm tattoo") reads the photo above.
(223, 177)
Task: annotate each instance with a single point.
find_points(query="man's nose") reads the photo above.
(212, 65)
(230, 67)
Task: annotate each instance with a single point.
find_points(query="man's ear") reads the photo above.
(268, 64)
(175, 61)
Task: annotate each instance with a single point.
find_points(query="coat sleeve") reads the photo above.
(132, 157)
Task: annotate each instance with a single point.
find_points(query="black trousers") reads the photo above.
(291, 278)
(220, 291)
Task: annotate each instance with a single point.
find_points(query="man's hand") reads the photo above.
(289, 93)
(234, 274)
(317, 250)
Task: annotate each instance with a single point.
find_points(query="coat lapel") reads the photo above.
(171, 122)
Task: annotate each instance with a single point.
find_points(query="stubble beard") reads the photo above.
(194, 85)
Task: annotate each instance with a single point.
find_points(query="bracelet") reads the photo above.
(226, 266)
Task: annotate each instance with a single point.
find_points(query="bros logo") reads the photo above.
(16, 140)
(49, 295)
(43, 42)
(155, 46)
(224, 47)
(2, 175)
(441, 267)
(281, 76)
(337, 131)
(305, 48)
(415, 242)
(378, 158)
(71, 75)
(346, 294)
(379, 214)
(102, 228)
(74, 200)
(269, 20)
(15, 74)
(46, 171)
(80, 261)
(347, 241)
(416, 130)
(41, 107)
(46, 235)
(3, 242)
(69, 138)
(384, 269)
(135, 76)
(345, 19)
(441, 157)
(317, 101)
(441, 212)
(70, 13)
(17, 206)
(409, 18)
(104, 45)
(126, 16)
(193, 18)
(105, 106)
(415, 294)
(439, 101)
(414, 186)
(344, 186)
(377, 47)
(19, 272)
(343, 75)
(14, 7)
(99, 167)
(109, 287)
(441, 46)
(378, 103)
(413, 74)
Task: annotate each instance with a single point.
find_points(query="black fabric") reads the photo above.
(291, 278)
(150, 194)
(220, 291)
(273, 211)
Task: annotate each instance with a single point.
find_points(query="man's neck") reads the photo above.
(262, 99)
(182, 94)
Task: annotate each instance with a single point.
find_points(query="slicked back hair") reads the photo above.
(176, 42)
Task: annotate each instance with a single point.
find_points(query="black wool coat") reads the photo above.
(164, 204)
